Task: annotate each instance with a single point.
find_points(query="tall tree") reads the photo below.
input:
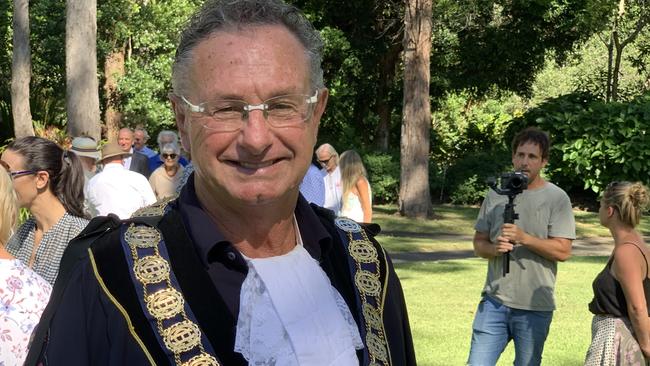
(628, 21)
(21, 70)
(82, 91)
(414, 196)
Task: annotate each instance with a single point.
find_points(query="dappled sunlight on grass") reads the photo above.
(456, 224)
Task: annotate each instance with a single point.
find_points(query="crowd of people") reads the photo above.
(260, 250)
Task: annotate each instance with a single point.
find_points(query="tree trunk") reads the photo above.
(113, 71)
(21, 71)
(414, 196)
(610, 67)
(82, 90)
(387, 68)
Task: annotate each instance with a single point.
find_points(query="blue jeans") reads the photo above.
(496, 324)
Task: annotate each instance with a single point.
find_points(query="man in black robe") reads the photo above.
(239, 268)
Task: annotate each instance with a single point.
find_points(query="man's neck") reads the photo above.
(257, 231)
(537, 183)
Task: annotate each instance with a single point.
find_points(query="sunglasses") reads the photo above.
(15, 173)
(169, 156)
(325, 162)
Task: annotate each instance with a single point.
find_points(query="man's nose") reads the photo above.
(256, 134)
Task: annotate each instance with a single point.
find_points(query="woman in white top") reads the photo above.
(357, 195)
(167, 177)
(23, 293)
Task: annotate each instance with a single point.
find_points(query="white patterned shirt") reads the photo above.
(23, 296)
(50, 250)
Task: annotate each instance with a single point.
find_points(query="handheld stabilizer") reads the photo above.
(511, 185)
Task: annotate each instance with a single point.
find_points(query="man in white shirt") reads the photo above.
(329, 160)
(116, 189)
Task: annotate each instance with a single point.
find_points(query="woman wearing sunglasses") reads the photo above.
(23, 293)
(167, 177)
(621, 327)
(49, 183)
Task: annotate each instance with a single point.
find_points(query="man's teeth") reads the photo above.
(255, 165)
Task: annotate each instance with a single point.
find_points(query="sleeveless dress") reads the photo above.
(352, 205)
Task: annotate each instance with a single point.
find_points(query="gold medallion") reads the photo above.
(203, 359)
(347, 225)
(363, 251)
(376, 347)
(155, 209)
(367, 282)
(165, 303)
(182, 336)
(151, 269)
(372, 316)
(142, 236)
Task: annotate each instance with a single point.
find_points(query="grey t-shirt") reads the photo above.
(544, 212)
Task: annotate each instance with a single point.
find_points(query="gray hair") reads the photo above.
(220, 15)
(144, 132)
(170, 147)
(166, 133)
(330, 149)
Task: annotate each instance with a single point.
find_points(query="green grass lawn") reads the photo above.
(442, 297)
(453, 227)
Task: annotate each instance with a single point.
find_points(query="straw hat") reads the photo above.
(112, 149)
(85, 146)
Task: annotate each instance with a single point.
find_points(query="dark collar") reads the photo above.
(206, 237)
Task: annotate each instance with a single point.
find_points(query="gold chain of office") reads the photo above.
(367, 281)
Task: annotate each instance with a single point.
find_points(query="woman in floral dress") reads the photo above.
(23, 293)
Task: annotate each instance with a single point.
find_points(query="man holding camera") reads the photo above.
(519, 305)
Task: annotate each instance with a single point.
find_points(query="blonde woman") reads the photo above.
(621, 326)
(357, 195)
(23, 293)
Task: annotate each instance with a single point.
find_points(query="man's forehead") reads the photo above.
(250, 55)
(529, 147)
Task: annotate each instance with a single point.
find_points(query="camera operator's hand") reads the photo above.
(503, 245)
(513, 233)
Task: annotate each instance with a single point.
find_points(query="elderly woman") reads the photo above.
(166, 178)
(23, 293)
(49, 183)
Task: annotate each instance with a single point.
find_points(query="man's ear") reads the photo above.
(178, 107)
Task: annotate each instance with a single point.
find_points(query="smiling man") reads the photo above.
(519, 306)
(239, 269)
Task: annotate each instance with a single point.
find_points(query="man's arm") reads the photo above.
(555, 249)
(484, 248)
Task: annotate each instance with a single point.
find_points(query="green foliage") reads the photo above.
(153, 31)
(470, 191)
(504, 43)
(594, 142)
(468, 141)
(383, 172)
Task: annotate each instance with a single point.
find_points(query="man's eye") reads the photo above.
(279, 106)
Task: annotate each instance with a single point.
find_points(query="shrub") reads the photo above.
(383, 174)
(470, 191)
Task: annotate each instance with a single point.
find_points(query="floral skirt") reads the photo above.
(613, 343)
